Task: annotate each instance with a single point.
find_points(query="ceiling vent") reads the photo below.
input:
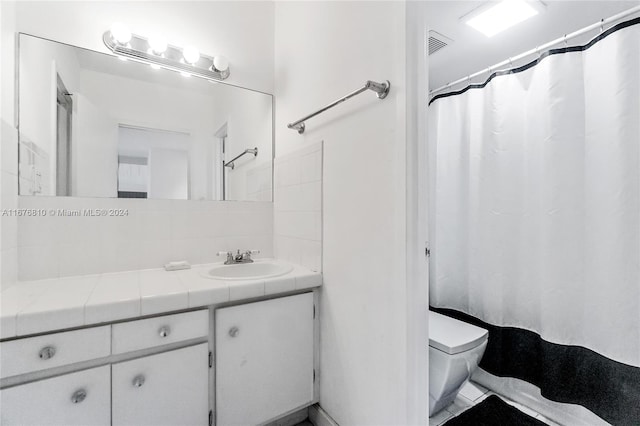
(437, 41)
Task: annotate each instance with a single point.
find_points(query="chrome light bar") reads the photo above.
(139, 49)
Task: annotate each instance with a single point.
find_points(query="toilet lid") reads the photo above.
(453, 336)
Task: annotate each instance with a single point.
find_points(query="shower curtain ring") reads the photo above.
(601, 25)
(510, 62)
(566, 43)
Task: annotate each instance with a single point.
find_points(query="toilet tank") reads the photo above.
(453, 336)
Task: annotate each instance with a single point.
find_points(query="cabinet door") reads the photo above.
(81, 398)
(171, 388)
(264, 359)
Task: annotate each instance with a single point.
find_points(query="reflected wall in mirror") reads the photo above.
(94, 125)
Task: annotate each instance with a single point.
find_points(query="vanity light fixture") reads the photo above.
(191, 55)
(220, 64)
(495, 17)
(120, 33)
(157, 45)
(156, 52)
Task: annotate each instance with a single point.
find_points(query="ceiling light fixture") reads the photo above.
(492, 18)
(155, 51)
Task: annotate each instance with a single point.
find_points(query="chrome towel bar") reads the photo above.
(382, 89)
(253, 151)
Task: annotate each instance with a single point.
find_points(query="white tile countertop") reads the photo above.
(53, 304)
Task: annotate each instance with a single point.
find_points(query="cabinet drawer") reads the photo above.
(53, 350)
(82, 398)
(148, 333)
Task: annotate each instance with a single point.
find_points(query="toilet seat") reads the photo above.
(452, 336)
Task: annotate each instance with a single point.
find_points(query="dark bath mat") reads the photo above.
(493, 412)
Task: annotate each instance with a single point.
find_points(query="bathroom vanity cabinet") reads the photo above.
(160, 370)
(264, 359)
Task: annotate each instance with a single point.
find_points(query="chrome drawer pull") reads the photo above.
(47, 352)
(78, 396)
(234, 331)
(164, 331)
(138, 381)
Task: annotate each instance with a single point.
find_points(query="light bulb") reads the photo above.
(220, 63)
(158, 44)
(120, 33)
(191, 55)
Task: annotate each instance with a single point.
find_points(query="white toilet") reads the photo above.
(455, 349)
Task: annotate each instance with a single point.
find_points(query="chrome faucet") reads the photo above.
(233, 259)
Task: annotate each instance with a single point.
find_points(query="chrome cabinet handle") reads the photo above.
(138, 381)
(234, 331)
(164, 331)
(78, 396)
(47, 352)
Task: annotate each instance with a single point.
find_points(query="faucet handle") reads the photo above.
(253, 251)
(224, 253)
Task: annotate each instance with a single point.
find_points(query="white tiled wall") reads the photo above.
(298, 207)
(152, 233)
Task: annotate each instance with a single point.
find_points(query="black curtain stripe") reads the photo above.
(564, 373)
(535, 62)
(493, 411)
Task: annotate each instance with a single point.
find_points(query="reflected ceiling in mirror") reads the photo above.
(94, 125)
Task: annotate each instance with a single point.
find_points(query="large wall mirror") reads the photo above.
(95, 125)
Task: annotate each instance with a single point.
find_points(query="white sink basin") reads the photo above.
(248, 271)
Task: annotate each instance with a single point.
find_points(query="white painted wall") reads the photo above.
(324, 50)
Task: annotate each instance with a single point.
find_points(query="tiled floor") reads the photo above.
(470, 395)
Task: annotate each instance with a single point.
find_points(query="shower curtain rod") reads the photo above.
(600, 24)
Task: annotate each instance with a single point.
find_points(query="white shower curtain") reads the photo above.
(536, 217)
